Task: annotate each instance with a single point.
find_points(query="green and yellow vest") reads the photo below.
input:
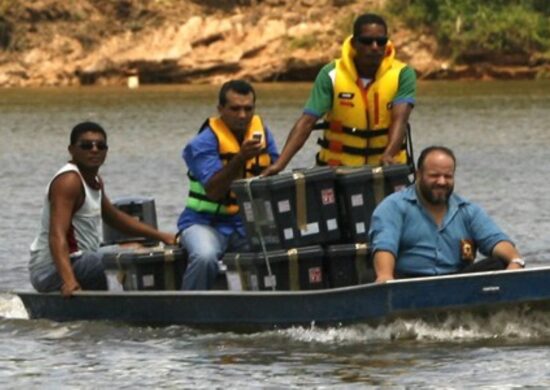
(228, 147)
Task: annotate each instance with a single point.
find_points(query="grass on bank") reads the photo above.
(473, 30)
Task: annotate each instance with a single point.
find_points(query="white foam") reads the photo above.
(520, 323)
(12, 307)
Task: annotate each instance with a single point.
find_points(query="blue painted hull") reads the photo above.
(372, 303)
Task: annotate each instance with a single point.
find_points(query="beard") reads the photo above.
(435, 194)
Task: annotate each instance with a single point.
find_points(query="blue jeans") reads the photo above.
(205, 246)
(88, 270)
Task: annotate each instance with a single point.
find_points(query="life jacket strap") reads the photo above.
(227, 201)
(339, 147)
(353, 131)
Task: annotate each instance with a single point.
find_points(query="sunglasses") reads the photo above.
(239, 108)
(89, 145)
(380, 41)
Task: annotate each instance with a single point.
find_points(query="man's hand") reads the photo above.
(387, 159)
(513, 266)
(250, 148)
(168, 238)
(68, 288)
(382, 278)
(507, 251)
(296, 139)
(272, 170)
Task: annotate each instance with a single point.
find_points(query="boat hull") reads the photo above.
(372, 303)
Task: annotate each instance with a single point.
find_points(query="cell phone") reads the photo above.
(257, 137)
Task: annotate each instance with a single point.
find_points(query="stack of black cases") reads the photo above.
(292, 269)
(153, 268)
(359, 190)
(348, 264)
(311, 226)
(289, 210)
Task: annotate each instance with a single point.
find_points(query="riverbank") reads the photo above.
(83, 42)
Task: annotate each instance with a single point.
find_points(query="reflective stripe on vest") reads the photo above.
(199, 201)
(360, 118)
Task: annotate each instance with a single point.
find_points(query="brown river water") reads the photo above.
(500, 132)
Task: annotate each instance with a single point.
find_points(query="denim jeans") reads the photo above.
(205, 246)
(88, 270)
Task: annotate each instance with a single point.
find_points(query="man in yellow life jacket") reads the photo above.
(366, 97)
(234, 145)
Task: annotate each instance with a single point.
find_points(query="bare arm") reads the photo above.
(295, 141)
(66, 196)
(396, 133)
(506, 251)
(129, 225)
(218, 186)
(384, 265)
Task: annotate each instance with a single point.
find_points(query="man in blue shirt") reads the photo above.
(427, 230)
(234, 145)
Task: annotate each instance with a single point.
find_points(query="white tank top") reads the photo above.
(84, 233)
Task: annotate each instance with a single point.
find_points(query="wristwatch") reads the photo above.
(519, 261)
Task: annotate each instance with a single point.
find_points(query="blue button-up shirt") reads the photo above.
(402, 226)
(203, 160)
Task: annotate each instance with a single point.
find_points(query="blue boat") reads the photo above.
(483, 292)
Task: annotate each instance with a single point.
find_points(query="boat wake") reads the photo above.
(11, 307)
(520, 324)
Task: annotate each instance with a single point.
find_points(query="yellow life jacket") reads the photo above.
(228, 147)
(358, 122)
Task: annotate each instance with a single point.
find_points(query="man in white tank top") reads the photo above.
(64, 255)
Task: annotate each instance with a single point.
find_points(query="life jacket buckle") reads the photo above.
(336, 127)
(336, 146)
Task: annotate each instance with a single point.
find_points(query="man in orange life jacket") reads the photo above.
(234, 145)
(366, 97)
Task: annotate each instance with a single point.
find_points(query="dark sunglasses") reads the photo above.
(239, 108)
(88, 145)
(380, 41)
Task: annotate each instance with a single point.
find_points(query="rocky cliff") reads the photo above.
(104, 42)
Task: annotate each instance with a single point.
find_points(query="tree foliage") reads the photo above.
(472, 30)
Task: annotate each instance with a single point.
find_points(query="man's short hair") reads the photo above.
(434, 148)
(239, 86)
(85, 127)
(368, 19)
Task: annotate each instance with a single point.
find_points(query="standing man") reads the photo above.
(427, 230)
(367, 96)
(234, 145)
(64, 255)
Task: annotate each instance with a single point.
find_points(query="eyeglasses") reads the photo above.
(89, 145)
(239, 108)
(380, 41)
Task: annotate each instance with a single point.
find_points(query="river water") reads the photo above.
(501, 135)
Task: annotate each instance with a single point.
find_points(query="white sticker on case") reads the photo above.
(283, 206)
(332, 224)
(357, 200)
(288, 233)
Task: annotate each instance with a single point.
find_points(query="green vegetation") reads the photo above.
(6, 27)
(5, 33)
(304, 42)
(474, 30)
(344, 25)
(5, 6)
